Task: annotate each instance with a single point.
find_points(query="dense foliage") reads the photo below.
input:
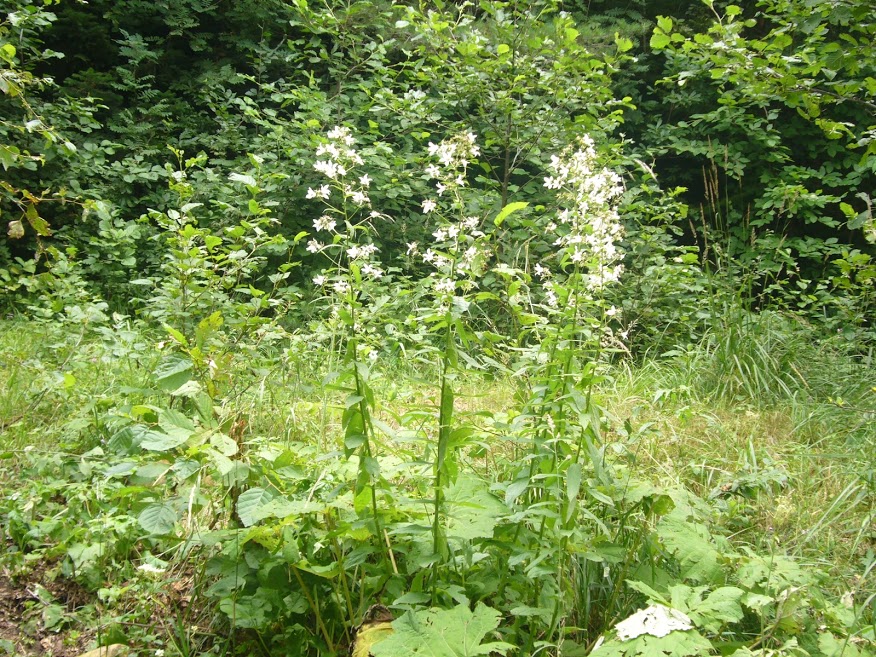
(334, 297)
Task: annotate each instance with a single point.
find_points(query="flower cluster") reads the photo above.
(344, 223)
(588, 227)
(456, 252)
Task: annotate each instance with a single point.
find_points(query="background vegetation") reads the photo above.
(437, 329)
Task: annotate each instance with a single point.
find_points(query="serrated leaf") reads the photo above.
(157, 518)
(472, 511)
(674, 644)
(691, 544)
(456, 632)
(659, 41)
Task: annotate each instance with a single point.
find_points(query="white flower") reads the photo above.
(314, 247)
(433, 172)
(445, 286)
(370, 270)
(325, 222)
(429, 206)
(360, 198)
(542, 272)
(441, 189)
(319, 280)
(365, 180)
(611, 312)
(341, 287)
(413, 248)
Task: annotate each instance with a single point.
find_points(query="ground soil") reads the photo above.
(21, 617)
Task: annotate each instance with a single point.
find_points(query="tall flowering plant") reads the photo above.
(562, 419)
(457, 256)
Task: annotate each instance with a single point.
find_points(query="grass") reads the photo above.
(783, 454)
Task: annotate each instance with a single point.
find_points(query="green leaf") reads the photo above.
(659, 41)
(172, 372)
(508, 210)
(251, 503)
(664, 24)
(674, 644)
(158, 518)
(623, 44)
(502, 49)
(691, 544)
(472, 511)
(242, 178)
(573, 487)
(40, 225)
(456, 632)
(157, 441)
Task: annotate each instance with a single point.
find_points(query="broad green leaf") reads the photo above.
(472, 510)
(40, 225)
(242, 178)
(172, 372)
(157, 441)
(456, 632)
(158, 518)
(623, 44)
(508, 210)
(674, 644)
(692, 546)
(251, 503)
(659, 41)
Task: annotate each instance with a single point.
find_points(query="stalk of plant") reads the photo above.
(348, 228)
(457, 255)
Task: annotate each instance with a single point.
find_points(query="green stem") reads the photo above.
(445, 413)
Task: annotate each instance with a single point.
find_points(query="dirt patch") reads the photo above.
(22, 629)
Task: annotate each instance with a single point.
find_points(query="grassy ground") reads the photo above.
(789, 469)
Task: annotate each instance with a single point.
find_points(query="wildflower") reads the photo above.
(542, 272)
(360, 198)
(445, 286)
(365, 180)
(370, 270)
(314, 247)
(413, 248)
(341, 287)
(429, 206)
(319, 280)
(433, 171)
(325, 222)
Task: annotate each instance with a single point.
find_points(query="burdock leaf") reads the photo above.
(456, 632)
